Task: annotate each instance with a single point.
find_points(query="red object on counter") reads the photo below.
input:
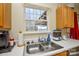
(11, 41)
(74, 32)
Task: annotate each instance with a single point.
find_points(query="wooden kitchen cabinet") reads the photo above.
(1, 15)
(64, 17)
(70, 18)
(5, 16)
(65, 53)
(59, 19)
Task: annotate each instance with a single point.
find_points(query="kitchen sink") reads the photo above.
(50, 46)
(42, 47)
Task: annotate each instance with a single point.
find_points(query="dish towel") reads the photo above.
(74, 33)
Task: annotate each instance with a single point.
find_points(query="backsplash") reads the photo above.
(30, 37)
(34, 37)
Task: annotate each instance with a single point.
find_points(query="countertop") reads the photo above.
(67, 44)
(16, 51)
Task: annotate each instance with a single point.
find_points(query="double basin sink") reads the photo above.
(42, 47)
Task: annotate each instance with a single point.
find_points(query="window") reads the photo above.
(36, 19)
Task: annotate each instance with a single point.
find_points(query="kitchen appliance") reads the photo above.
(4, 42)
(4, 36)
(57, 35)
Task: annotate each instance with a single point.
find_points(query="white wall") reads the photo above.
(18, 23)
(52, 13)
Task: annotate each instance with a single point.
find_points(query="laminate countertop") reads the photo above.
(66, 44)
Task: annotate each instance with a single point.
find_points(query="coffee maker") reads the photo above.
(57, 35)
(4, 36)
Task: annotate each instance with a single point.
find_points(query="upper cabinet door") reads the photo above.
(69, 18)
(59, 18)
(72, 18)
(1, 15)
(7, 15)
(66, 17)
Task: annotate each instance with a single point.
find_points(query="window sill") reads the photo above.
(35, 32)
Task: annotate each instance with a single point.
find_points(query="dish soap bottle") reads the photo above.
(49, 40)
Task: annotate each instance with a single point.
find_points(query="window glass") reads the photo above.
(31, 15)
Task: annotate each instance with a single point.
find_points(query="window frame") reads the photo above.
(44, 8)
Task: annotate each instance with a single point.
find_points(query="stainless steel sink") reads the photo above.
(50, 47)
(42, 47)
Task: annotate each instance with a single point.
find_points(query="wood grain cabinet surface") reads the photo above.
(5, 16)
(65, 53)
(64, 17)
(1, 15)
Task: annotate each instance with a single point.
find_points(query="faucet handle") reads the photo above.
(28, 42)
(32, 42)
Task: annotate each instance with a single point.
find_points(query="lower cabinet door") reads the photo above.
(65, 53)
